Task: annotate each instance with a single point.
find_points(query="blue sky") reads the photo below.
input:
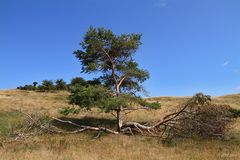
(188, 45)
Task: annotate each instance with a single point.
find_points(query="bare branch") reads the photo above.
(137, 108)
(121, 80)
(88, 127)
(113, 115)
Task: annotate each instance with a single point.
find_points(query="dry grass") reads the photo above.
(32, 101)
(232, 100)
(110, 147)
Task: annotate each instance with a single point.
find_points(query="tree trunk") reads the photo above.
(120, 115)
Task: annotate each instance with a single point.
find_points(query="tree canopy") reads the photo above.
(113, 56)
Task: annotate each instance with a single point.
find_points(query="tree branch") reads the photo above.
(121, 81)
(112, 67)
(83, 127)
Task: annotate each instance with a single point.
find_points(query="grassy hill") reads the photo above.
(108, 147)
(51, 101)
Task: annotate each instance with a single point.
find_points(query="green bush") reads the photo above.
(48, 85)
(78, 81)
(60, 84)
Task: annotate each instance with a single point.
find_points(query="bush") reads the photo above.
(48, 85)
(60, 84)
(27, 87)
(201, 118)
(78, 81)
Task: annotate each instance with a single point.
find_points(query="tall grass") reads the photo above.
(9, 121)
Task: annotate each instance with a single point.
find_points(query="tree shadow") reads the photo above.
(88, 121)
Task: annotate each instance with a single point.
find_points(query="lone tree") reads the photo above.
(35, 84)
(121, 78)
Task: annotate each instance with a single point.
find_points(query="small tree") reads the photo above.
(78, 81)
(35, 84)
(60, 84)
(121, 78)
(47, 85)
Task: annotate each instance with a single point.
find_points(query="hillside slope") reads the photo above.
(108, 147)
(18, 99)
(32, 101)
(50, 102)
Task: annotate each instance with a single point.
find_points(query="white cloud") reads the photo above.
(225, 63)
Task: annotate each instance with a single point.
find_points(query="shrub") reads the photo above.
(201, 118)
(78, 81)
(48, 85)
(27, 87)
(60, 84)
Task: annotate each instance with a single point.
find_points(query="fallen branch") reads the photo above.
(83, 127)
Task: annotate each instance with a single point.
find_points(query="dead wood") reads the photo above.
(197, 118)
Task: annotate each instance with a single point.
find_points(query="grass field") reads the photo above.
(108, 147)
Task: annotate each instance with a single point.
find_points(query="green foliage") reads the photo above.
(103, 51)
(48, 85)
(113, 103)
(27, 87)
(60, 84)
(95, 81)
(88, 96)
(35, 84)
(78, 81)
(96, 41)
